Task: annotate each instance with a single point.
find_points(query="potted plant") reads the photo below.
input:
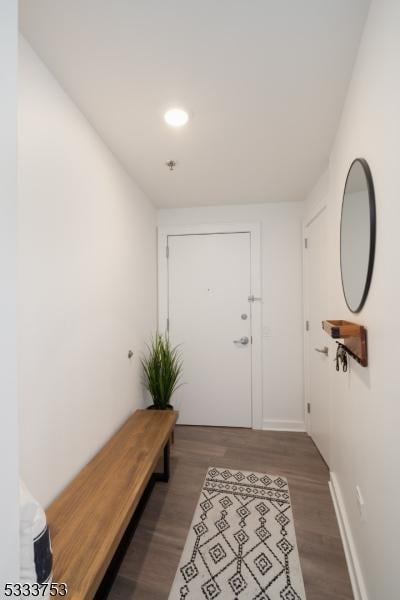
(162, 371)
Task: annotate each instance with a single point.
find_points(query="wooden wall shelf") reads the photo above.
(354, 336)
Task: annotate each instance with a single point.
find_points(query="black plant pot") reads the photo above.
(153, 407)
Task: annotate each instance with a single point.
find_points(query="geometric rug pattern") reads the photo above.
(242, 543)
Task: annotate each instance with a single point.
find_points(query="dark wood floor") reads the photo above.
(151, 561)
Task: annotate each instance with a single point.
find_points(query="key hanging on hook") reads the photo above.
(341, 357)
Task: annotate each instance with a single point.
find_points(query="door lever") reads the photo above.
(243, 340)
(324, 350)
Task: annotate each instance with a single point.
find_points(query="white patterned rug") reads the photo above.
(242, 543)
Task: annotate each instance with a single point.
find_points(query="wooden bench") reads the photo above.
(90, 517)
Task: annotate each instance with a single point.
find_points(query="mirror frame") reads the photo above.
(372, 221)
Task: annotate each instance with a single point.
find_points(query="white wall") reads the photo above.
(87, 284)
(283, 404)
(365, 446)
(9, 568)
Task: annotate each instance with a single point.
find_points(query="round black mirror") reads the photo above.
(357, 234)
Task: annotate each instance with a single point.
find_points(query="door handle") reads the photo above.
(243, 340)
(324, 350)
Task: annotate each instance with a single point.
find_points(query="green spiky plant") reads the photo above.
(162, 371)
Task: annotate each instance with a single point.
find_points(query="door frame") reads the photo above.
(306, 339)
(254, 229)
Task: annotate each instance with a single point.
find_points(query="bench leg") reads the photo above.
(165, 475)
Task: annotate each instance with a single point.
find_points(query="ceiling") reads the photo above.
(263, 80)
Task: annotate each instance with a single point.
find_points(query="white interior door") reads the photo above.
(317, 347)
(209, 281)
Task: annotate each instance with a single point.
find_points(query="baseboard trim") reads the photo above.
(272, 425)
(353, 564)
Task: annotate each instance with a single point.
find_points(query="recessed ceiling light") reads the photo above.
(176, 117)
